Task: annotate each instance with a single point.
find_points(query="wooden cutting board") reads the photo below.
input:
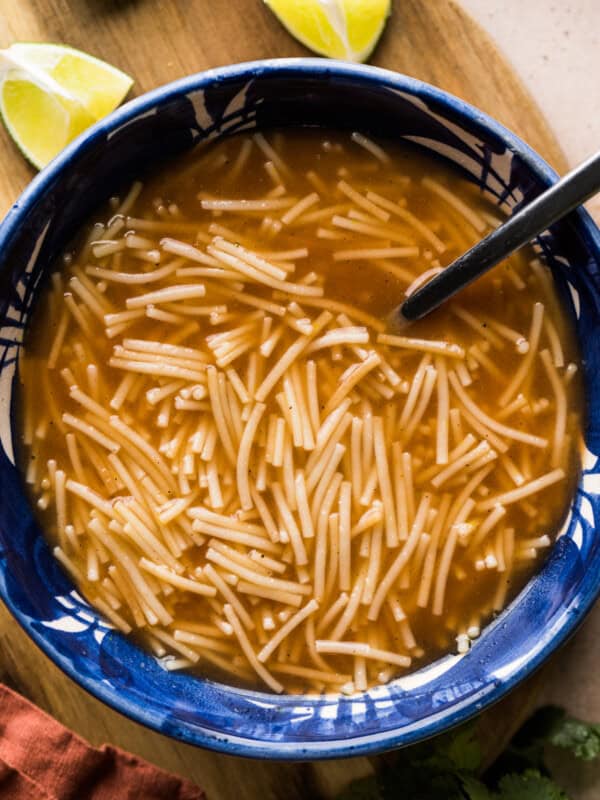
(157, 41)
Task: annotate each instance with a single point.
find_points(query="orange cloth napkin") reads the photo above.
(42, 760)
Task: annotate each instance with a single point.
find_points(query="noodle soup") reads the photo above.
(236, 459)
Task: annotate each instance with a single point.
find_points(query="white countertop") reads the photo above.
(554, 46)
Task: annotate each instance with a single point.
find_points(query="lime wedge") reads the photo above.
(50, 93)
(347, 29)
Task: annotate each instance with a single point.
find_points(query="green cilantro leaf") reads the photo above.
(448, 768)
(529, 785)
(462, 749)
(581, 738)
(406, 780)
(551, 725)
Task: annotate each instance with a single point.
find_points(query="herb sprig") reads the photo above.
(450, 767)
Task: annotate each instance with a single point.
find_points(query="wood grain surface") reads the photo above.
(157, 41)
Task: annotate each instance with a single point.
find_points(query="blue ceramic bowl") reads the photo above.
(43, 599)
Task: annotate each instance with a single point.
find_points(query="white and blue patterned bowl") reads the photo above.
(43, 599)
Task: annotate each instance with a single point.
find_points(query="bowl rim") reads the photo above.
(474, 117)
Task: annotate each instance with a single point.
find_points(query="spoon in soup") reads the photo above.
(556, 202)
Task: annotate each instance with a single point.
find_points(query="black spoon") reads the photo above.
(553, 204)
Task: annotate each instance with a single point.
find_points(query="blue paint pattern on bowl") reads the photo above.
(42, 598)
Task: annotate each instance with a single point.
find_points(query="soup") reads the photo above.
(237, 461)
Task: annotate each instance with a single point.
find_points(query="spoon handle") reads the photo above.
(553, 204)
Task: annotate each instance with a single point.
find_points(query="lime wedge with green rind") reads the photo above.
(346, 29)
(50, 93)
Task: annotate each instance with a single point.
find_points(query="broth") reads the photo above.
(332, 523)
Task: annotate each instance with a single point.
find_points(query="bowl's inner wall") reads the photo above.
(37, 590)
